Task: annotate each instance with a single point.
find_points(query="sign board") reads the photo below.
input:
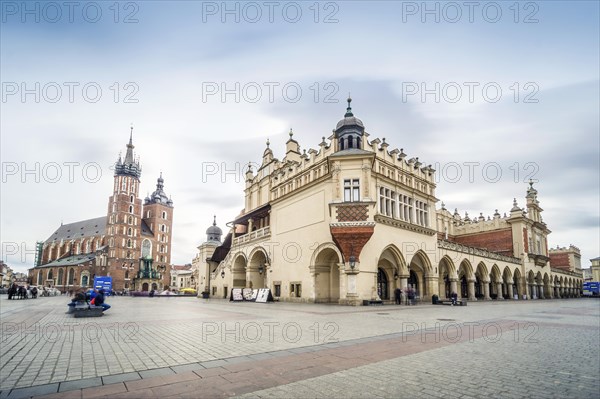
(103, 282)
(591, 288)
(236, 294)
(264, 295)
(248, 294)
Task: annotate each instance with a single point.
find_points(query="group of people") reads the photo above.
(93, 297)
(21, 292)
(409, 294)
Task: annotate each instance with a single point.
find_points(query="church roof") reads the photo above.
(146, 231)
(83, 228)
(71, 260)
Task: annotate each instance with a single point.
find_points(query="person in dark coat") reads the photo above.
(398, 296)
(99, 300)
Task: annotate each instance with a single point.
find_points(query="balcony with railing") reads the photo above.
(253, 235)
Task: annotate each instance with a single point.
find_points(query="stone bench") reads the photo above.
(372, 302)
(85, 311)
(459, 302)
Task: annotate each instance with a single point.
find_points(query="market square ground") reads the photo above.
(189, 347)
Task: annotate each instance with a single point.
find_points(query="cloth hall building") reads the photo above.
(131, 243)
(354, 219)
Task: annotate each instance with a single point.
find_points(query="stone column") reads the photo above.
(534, 293)
(486, 290)
(403, 282)
(556, 292)
(509, 290)
(471, 290)
(432, 288)
(500, 297)
(453, 285)
(541, 292)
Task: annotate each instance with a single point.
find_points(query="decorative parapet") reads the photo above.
(568, 273)
(253, 235)
(453, 246)
(404, 225)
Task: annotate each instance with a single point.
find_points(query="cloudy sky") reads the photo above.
(491, 94)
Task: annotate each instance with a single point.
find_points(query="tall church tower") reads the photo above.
(124, 218)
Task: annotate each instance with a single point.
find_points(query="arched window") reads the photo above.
(40, 278)
(131, 199)
(128, 256)
(84, 280)
(350, 142)
(60, 277)
(129, 243)
(129, 231)
(164, 215)
(130, 220)
(126, 274)
(130, 208)
(341, 143)
(71, 276)
(50, 274)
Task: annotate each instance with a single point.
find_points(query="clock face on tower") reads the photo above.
(146, 249)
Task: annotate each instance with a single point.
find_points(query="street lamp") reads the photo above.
(352, 262)
(396, 275)
(261, 269)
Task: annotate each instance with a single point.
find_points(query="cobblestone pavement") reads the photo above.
(186, 347)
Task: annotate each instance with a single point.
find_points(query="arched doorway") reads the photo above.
(154, 286)
(326, 275)
(478, 288)
(382, 284)
(257, 270)
(413, 281)
(464, 287)
(239, 272)
(145, 287)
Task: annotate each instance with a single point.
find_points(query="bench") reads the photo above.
(459, 302)
(88, 311)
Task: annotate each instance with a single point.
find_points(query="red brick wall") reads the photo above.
(499, 241)
(560, 261)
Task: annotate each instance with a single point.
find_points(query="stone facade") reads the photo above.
(353, 220)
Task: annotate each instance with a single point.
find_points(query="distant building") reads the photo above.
(131, 243)
(182, 277)
(6, 275)
(353, 220)
(595, 269)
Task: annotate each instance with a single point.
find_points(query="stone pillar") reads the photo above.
(509, 290)
(557, 292)
(432, 288)
(403, 282)
(534, 293)
(500, 297)
(471, 290)
(486, 290)
(541, 292)
(453, 285)
(250, 225)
